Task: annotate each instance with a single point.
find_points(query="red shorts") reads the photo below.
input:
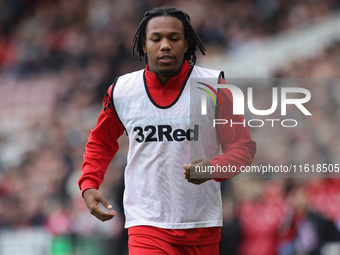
(148, 245)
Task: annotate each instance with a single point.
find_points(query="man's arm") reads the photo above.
(235, 140)
(101, 147)
(237, 146)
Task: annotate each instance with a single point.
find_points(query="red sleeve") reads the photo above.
(237, 146)
(102, 145)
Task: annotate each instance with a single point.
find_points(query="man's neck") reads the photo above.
(164, 78)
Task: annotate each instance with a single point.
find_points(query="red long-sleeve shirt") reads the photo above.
(237, 146)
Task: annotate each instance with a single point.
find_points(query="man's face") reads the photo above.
(165, 45)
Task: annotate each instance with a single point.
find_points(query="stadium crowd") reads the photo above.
(57, 58)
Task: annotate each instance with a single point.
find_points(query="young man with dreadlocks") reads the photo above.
(166, 210)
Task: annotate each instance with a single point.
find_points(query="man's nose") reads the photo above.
(165, 46)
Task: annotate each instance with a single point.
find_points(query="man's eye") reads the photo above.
(155, 39)
(175, 39)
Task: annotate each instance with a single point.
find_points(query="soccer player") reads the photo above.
(167, 210)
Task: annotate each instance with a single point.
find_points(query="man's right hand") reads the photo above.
(92, 198)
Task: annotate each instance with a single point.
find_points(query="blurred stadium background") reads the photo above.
(58, 57)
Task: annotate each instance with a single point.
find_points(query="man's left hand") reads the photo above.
(199, 169)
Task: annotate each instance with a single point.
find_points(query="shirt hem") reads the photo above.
(175, 225)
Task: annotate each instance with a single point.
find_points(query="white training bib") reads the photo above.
(161, 140)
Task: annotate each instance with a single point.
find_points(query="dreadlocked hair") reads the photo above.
(193, 40)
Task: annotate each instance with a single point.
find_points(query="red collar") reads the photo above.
(178, 80)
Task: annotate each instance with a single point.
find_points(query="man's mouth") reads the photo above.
(166, 58)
